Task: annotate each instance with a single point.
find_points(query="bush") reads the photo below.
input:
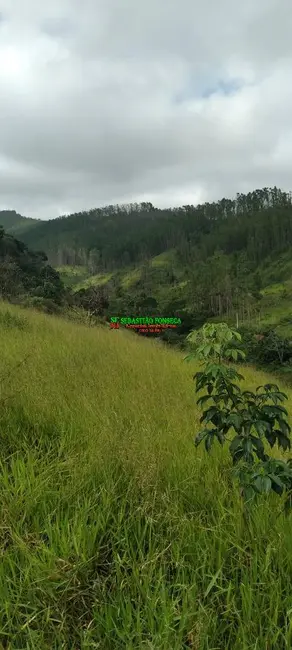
(252, 419)
(264, 347)
(43, 304)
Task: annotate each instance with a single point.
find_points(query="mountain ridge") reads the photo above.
(15, 223)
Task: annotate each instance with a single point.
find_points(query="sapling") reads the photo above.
(250, 418)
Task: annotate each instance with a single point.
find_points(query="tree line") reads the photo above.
(105, 239)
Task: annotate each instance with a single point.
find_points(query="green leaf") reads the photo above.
(206, 350)
(189, 357)
(237, 456)
(283, 440)
(248, 393)
(200, 436)
(271, 437)
(263, 484)
(277, 488)
(236, 444)
(261, 426)
(203, 399)
(248, 493)
(281, 409)
(284, 426)
(212, 583)
(270, 387)
(220, 437)
(209, 441)
(283, 395)
(277, 480)
(274, 410)
(248, 457)
(235, 420)
(208, 414)
(258, 444)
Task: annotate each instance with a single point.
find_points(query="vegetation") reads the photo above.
(26, 277)
(116, 236)
(252, 417)
(72, 275)
(114, 534)
(228, 260)
(14, 223)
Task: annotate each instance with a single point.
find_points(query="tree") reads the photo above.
(94, 300)
(251, 418)
(94, 261)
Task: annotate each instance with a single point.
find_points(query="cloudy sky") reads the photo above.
(171, 101)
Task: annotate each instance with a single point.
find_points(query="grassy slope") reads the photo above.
(78, 277)
(115, 532)
(94, 280)
(73, 276)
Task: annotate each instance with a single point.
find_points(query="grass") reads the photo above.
(166, 259)
(73, 276)
(130, 278)
(72, 270)
(116, 534)
(276, 268)
(275, 307)
(94, 280)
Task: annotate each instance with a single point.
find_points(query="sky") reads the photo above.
(118, 101)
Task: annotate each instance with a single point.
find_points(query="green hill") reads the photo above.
(229, 260)
(14, 223)
(115, 532)
(215, 260)
(113, 237)
(25, 276)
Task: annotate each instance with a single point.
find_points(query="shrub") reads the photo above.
(265, 347)
(251, 418)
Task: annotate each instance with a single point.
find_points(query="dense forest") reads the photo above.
(115, 236)
(219, 247)
(26, 277)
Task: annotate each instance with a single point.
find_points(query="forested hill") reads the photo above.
(14, 223)
(228, 260)
(258, 223)
(26, 277)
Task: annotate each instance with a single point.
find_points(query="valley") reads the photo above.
(116, 531)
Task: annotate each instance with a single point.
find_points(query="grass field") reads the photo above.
(116, 533)
(73, 276)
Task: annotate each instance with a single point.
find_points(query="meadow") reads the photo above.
(115, 532)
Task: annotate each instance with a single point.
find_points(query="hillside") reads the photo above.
(116, 532)
(116, 236)
(14, 223)
(230, 260)
(25, 276)
(216, 260)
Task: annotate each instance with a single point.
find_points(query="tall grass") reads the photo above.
(115, 532)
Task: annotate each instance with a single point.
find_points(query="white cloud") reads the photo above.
(172, 102)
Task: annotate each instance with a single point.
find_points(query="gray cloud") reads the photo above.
(173, 102)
